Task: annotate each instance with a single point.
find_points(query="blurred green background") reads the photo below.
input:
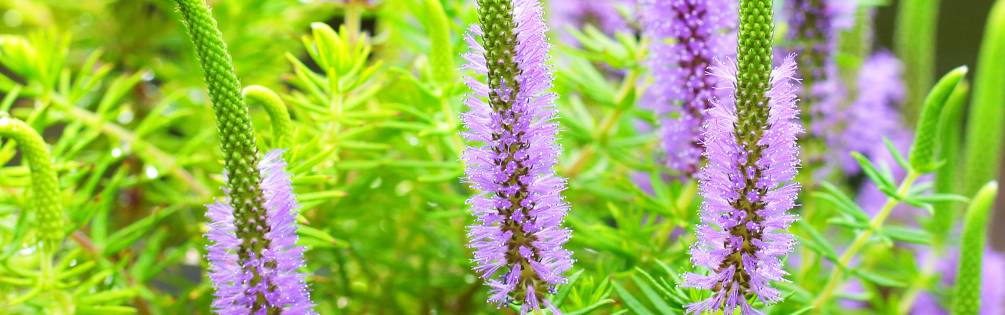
(960, 30)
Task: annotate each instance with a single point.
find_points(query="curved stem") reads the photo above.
(282, 125)
(45, 194)
(860, 241)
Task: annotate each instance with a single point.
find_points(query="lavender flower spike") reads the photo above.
(686, 36)
(517, 238)
(813, 31)
(750, 143)
(282, 286)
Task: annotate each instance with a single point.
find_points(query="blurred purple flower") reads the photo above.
(602, 14)
(686, 36)
(748, 191)
(517, 239)
(813, 33)
(992, 285)
(282, 287)
(875, 114)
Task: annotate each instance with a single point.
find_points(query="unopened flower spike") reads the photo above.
(253, 253)
(44, 193)
(686, 36)
(750, 138)
(517, 238)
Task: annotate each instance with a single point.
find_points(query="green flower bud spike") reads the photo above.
(237, 137)
(947, 177)
(44, 192)
(923, 157)
(282, 126)
(967, 295)
(754, 65)
(985, 136)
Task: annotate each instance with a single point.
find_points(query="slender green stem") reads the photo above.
(837, 275)
(354, 19)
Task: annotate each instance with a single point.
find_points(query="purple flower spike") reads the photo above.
(686, 36)
(748, 191)
(282, 287)
(813, 31)
(517, 238)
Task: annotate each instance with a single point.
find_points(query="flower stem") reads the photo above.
(860, 241)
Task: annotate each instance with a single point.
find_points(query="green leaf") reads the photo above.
(592, 307)
(817, 242)
(896, 154)
(129, 234)
(909, 235)
(654, 298)
(630, 301)
(844, 203)
(883, 182)
(967, 294)
(565, 288)
(926, 134)
(878, 278)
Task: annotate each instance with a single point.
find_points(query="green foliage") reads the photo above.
(926, 135)
(967, 294)
(984, 133)
(947, 179)
(915, 40)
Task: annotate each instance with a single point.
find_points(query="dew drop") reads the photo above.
(126, 116)
(151, 172)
